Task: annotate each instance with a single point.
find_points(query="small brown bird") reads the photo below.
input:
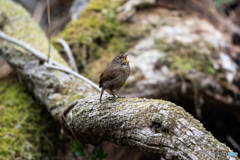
(115, 75)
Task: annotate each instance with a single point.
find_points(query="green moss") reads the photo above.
(20, 25)
(96, 32)
(97, 37)
(26, 130)
(175, 113)
(183, 57)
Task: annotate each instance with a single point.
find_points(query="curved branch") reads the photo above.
(28, 48)
(69, 53)
(67, 70)
(45, 58)
(158, 128)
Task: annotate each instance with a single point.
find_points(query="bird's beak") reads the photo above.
(125, 58)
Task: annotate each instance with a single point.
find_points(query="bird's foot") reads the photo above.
(113, 98)
(121, 97)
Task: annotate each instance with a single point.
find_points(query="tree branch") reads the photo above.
(43, 57)
(69, 53)
(158, 128)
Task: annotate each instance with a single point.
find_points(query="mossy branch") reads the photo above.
(158, 128)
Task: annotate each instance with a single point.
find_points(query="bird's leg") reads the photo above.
(114, 97)
(117, 95)
(101, 94)
(113, 93)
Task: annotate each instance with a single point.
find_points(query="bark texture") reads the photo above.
(52, 87)
(158, 128)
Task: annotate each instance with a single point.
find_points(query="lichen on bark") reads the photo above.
(158, 128)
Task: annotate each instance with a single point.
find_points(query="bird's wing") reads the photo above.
(108, 74)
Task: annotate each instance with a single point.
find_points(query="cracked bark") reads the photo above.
(158, 128)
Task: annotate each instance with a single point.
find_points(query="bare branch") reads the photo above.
(28, 48)
(69, 53)
(67, 70)
(44, 58)
(158, 128)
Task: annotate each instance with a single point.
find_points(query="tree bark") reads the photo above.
(158, 128)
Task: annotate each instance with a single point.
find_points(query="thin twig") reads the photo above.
(44, 58)
(74, 133)
(69, 53)
(49, 30)
(67, 70)
(49, 50)
(28, 48)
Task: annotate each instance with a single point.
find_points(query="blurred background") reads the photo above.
(185, 51)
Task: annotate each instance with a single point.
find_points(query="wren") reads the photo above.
(115, 75)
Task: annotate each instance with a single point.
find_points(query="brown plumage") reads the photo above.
(115, 75)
